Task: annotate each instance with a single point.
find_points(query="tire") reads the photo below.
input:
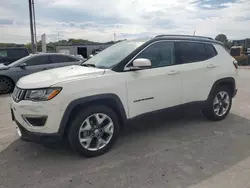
(83, 127)
(211, 111)
(6, 85)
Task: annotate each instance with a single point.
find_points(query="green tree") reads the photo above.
(223, 38)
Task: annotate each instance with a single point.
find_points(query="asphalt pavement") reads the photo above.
(168, 150)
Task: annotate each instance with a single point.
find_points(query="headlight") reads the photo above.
(42, 94)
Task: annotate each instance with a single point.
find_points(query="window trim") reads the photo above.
(126, 69)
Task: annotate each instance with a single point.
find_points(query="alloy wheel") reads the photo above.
(96, 131)
(221, 103)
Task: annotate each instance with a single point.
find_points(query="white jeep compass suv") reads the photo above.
(89, 103)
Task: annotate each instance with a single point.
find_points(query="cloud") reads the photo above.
(98, 20)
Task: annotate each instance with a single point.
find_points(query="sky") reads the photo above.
(98, 20)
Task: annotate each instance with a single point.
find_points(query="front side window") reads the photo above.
(38, 60)
(190, 52)
(160, 54)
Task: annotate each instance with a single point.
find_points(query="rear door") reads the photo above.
(59, 60)
(199, 64)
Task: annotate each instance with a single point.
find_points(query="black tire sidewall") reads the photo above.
(209, 111)
(12, 85)
(79, 119)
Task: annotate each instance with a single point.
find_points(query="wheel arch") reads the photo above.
(110, 100)
(228, 82)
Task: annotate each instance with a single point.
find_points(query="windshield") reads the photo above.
(15, 63)
(114, 54)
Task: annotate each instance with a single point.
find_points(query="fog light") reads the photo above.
(36, 121)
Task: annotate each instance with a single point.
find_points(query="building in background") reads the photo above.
(81, 49)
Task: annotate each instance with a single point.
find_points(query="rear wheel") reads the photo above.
(6, 85)
(94, 131)
(219, 104)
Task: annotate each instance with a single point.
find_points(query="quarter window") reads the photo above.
(160, 54)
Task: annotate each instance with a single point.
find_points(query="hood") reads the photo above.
(3, 67)
(53, 76)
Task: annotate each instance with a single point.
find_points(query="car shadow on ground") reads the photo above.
(192, 147)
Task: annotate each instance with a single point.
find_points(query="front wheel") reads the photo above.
(219, 104)
(94, 131)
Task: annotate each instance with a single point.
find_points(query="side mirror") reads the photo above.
(141, 63)
(22, 65)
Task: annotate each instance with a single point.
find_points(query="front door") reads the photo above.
(157, 87)
(33, 64)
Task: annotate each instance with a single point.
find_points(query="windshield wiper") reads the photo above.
(88, 65)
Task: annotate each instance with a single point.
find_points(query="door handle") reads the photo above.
(173, 72)
(211, 66)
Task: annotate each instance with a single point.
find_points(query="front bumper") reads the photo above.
(37, 137)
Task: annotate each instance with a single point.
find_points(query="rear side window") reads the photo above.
(17, 53)
(61, 59)
(38, 60)
(190, 52)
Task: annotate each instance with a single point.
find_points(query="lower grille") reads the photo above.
(18, 94)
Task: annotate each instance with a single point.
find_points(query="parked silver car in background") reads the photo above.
(10, 74)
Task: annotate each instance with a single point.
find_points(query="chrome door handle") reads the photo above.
(173, 72)
(211, 66)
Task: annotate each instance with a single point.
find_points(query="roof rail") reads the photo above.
(193, 36)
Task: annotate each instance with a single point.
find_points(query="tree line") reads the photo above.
(51, 46)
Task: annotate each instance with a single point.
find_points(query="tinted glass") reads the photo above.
(3, 53)
(211, 52)
(189, 52)
(60, 59)
(38, 60)
(72, 59)
(235, 52)
(17, 53)
(160, 54)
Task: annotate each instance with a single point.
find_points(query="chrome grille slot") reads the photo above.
(18, 94)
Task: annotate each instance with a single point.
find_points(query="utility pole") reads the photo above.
(32, 26)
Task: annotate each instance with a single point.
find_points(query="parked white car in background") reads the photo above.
(89, 104)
